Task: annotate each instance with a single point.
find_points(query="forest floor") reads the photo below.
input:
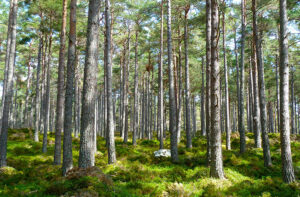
(139, 173)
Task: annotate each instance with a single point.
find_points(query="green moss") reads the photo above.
(139, 173)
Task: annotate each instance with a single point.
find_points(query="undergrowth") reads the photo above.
(138, 173)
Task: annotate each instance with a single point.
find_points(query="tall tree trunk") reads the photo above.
(126, 72)
(286, 155)
(237, 80)
(67, 141)
(292, 103)
(256, 110)
(216, 165)
(277, 95)
(28, 85)
(203, 130)
(208, 70)
(86, 151)
(37, 91)
(187, 82)
(9, 73)
(180, 90)
(47, 95)
(136, 91)
(194, 116)
(262, 95)
(227, 115)
(172, 112)
(242, 78)
(250, 98)
(110, 124)
(60, 87)
(271, 120)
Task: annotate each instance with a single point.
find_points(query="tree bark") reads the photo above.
(180, 91)
(67, 141)
(86, 151)
(292, 103)
(60, 87)
(37, 91)
(203, 130)
(126, 77)
(237, 81)
(208, 70)
(256, 110)
(136, 91)
(9, 73)
(187, 83)
(47, 95)
(172, 112)
(242, 78)
(262, 95)
(110, 123)
(277, 95)
(216, 165)
(227, 115)
(286, 155)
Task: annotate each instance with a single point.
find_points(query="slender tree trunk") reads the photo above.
(180, 91)
(237, 80)
(86, 151)
(256, 110)
(136, 91)
(271, 120)
(292, 103)
(216, 165)
(37, 92)
(262, 95)
(242, 78)
(172, 112)
(110, 123)
(227, 115)
(9, 73)
(67, 141)
(208, 70)
(187, 83)
(250, 97)
(126, 77)
(47, 95)
(203, 130)
(277, 95)
(286, 155)
(160, 114)
(26, 110)
(60, 87)
(194, 117)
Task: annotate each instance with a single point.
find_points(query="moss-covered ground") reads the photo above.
(139, 173)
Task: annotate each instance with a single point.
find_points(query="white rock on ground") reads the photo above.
(162, 153)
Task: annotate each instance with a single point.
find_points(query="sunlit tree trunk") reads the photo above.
(172, 112)
(60, 87)
(208, 69)
(187, 83)
(67, 141)
(286, 155)
(47, 95)
(262, 95)
(227, 115)
(256, 110)
(87, 151)
(203, 130)
(110, 123)
(242, 78)
(37, 91)
(136, 91)
(216, 164)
